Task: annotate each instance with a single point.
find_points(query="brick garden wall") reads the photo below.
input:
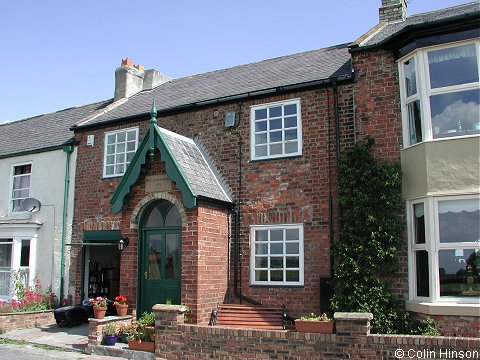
(15, 321)
(352, 340)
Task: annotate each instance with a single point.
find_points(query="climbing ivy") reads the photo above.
(369, 192)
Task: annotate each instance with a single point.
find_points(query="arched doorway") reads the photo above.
(159, 256)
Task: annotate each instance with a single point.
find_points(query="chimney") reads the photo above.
(393, 10)
(130, 79)
(153, 78)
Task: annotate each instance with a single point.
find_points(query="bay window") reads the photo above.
(440, 92)
(445, 249)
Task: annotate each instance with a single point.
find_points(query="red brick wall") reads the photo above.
(15, 321)
(377, 114)
(273, 192)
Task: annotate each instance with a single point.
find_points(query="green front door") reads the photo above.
(159, 257)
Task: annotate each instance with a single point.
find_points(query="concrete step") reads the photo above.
(121, 350)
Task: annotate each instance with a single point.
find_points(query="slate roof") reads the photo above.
(197, 167)
(322, 64)
(44, 131)
(390, 30)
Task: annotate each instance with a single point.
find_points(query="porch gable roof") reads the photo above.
(185, 163)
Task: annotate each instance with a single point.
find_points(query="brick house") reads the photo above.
(225, 191)
(417, 94)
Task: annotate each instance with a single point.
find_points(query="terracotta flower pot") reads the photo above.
(99, 312)
(121, 309)
(141, 345)
(324, 327)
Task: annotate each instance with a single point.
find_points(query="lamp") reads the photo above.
(122, 243)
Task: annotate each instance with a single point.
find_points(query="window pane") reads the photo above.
(173, 217)
(421, 262)
(291, 147)
(131, 146)
(410, 77)
(275, 111)
(275, 136)
(261, 249)
(419, 223)
(290, 134)
(458, 271)
(260, 151)
(121, 136)
(275, 124)
(132, 136)
(130, 157)
(110, 159)
(261, 139)
(292, 262)
(110, 149)
(290, 109)
(260, 114)
(261, 262)
(275, 149)
(292, 248)
(293, 275)
(25, 253)
(120, 158)
(276, 262)
(155, 218)
(261, 235)
(455, 114)
(120, 169)
(172, 256)
(291, 122)
(121, 148)
(459, 221)
(109, 170)
(111, 139)
(276, 248)
(276, 235)
(260, 126)
(414, 122)
(453, 66)
(261, 275)
(22, 169)
(5, 254)
(292, 234)
(276, 275)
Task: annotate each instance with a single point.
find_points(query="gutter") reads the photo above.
(223, 99)
(469, 20)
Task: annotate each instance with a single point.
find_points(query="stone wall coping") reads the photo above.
(352, 316)
(26, 312)
(170, 308)
(108, 319)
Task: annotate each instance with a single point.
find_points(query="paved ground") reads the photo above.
(30, 352)
(63, 343)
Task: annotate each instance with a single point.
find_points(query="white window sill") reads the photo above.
(444, 308)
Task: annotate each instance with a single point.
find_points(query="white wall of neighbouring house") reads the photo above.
(44, 227)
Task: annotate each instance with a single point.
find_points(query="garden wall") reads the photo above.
(22, 320)
(352, 340)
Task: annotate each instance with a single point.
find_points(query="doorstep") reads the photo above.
(120, 350)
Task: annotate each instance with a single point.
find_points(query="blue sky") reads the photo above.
(58, 54)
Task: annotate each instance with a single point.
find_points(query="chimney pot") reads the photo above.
(127, 62)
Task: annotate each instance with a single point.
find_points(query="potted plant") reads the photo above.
(125, 331)
(111, 331)
(121, 305)
(143, 336)
(99, 306)
(314, 323)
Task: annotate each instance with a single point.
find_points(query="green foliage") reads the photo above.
(370, 196)
(110, 329)
(147, 318)
(425, 327)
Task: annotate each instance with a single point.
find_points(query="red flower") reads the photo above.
(120, 300)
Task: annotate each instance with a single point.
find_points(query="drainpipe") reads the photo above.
(68, 150)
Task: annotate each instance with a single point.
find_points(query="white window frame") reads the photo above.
(433, 246)
(424, 91)
(107, 134)
(253, 133)
(13, 176)
(18, 236)
(253, 255)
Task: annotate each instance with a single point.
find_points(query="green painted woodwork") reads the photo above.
(153, 139)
